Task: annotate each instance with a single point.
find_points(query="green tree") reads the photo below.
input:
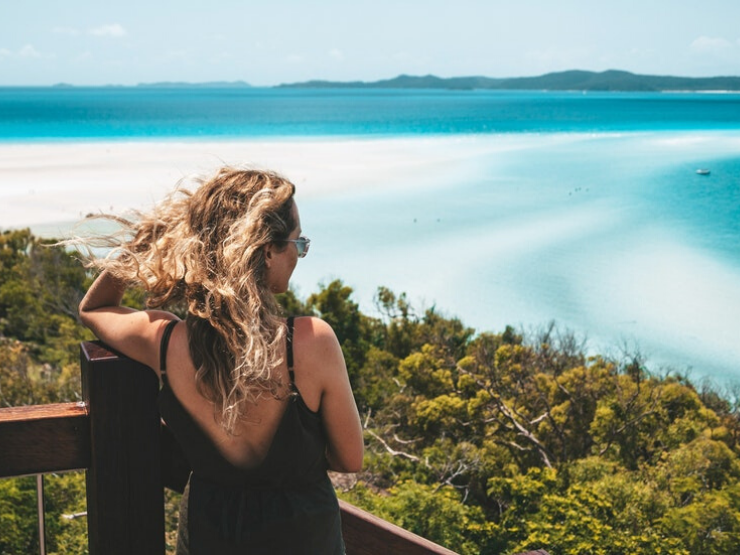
(40, 288)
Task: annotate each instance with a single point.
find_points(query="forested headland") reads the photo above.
(485, 442)
(571, 80)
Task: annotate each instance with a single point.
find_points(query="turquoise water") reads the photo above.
(115, 113)
(583, 209)
(613, 236)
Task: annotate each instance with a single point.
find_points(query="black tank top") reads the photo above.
(286, 504)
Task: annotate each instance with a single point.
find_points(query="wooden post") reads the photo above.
(125, 497)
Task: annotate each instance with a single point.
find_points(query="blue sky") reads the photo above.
(268, 42)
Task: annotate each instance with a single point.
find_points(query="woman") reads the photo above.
(262, 406)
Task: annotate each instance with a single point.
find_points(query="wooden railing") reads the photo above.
(116, 435)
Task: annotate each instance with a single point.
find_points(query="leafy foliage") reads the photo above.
(64, 498)
(483, 442)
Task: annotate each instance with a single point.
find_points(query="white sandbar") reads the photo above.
(42, 184)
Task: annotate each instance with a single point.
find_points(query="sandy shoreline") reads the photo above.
(42, 184)
(45, 184)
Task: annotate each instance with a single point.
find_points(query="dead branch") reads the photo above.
(392, 451)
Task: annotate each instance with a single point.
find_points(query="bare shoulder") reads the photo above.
(317, 347)
(314, 333)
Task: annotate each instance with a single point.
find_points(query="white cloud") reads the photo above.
(294, 59)
(336, 54)
(708, 45)
(113, 30)
(28, 51)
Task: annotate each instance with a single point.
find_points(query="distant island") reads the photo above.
(573, 80)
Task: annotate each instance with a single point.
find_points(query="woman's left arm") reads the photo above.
(135, 333)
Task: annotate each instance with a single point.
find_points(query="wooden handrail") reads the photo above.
(117, 436)
(366, 534)
(44, 438)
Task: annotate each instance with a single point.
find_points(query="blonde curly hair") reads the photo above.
(204, 249)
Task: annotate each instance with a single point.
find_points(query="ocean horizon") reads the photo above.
(500, 208)
(36, 114)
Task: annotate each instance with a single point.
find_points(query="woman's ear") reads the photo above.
(268, 254)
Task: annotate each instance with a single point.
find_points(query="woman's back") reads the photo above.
(240, 508)
(264, 442)
(252, 437)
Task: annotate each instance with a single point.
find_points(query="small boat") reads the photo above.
(703, 171)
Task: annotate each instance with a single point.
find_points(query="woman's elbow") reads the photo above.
(348, 463)
(351, 467)
(84, 315)
(91, 319)
(354, 468)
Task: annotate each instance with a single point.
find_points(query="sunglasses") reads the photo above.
(301, 245)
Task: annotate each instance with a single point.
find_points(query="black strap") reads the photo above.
(163, 347)
(289, 345)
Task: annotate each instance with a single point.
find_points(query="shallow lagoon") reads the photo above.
(613, 236)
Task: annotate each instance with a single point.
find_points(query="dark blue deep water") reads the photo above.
(58, 113)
